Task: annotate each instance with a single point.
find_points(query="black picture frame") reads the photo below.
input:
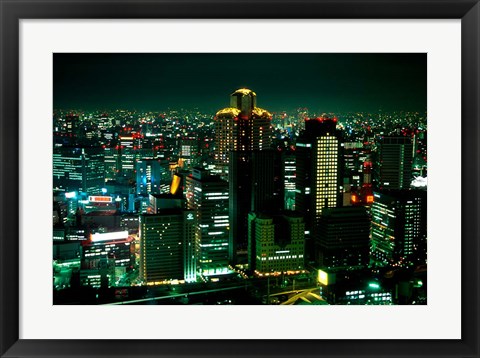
(12, 11)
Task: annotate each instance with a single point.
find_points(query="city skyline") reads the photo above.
(321, 82)
(240, 204)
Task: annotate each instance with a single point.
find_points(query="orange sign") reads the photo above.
(100, 199)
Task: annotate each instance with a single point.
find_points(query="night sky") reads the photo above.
(321, 82)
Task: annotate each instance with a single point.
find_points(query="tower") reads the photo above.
(394, 165)
(241, 127)
(207, 196)
(242, 134)
(318, 174)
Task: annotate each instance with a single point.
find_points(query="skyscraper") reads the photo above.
(151, 173)
(189, 151)
(243, 132)
(289, 172)
(399, 227)
(112, 163)
(318, 173)
(394, 164)
(241, 127)
(207, 196)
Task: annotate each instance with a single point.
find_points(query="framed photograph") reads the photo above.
(235, 178)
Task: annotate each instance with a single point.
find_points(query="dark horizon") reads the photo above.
(320, 82)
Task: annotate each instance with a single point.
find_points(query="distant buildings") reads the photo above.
(235, 199)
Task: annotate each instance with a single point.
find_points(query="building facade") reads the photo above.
(167, 247)
(399, 227)
(394, 164)
(344, 238)
(318, 174)
(276, 243)
(79, 170)
(207, 196)
(242, 133)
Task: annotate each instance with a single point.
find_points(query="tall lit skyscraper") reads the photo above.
(207, 196)
(241, 127)
(399, 227)
(394, 165)
(243, 132)
(318, 173)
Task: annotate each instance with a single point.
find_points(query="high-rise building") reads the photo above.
(289, 172)
(255, 184)
(399, 227)
(112, 163)
(167, 246)
(394, 164)
(242, 132)
(189, 151)
(318, 174)
(344, 238)
(78, 169)
(207, 196)
(151, 173)
(241, 127)
(127, 155)
(276, 243)
(267, 180)
(354, 155)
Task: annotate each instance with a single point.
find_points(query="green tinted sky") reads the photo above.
(321, 82)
